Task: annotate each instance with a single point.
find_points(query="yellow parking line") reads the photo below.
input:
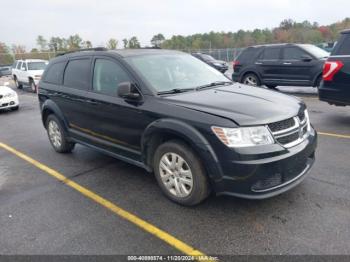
(166, 237)
(334, 135)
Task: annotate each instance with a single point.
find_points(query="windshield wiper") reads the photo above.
(217, 83)
(175, 91)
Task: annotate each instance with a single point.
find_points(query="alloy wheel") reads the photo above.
(55, 134)
(176, 175)
(250, 81)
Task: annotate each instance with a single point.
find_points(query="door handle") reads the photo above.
(287, 63)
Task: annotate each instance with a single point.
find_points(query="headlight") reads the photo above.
(244, 136)
(217, 64)
(10, 95)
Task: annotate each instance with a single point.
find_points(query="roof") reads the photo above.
(347, 31)
(123, 52)
(276, 45)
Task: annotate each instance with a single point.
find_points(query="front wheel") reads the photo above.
(180, 173)
(57, 135)
(251, 80)
(17, 84)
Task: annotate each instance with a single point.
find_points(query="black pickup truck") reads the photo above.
(335, 87)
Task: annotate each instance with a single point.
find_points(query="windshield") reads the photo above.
(36, 65)
(315, 51)
(175, 71)
(207, 57)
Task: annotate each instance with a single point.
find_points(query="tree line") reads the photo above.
(288, 31)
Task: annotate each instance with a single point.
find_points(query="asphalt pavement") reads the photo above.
(41, 215)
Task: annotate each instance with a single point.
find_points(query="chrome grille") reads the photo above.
(292, 131)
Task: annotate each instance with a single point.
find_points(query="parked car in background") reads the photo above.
(8, 98)
(280, 65)
(5, 71)
(171, 114)
(335, 87)
(28, 72)
(217, 64)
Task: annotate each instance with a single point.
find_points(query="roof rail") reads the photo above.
(84, 49)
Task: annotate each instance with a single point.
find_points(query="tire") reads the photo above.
(167, 157)
(32, 85)
(318, 82)
(271, 87)
(251, 79)
(15, 108)
(17, 84)
(57, 135)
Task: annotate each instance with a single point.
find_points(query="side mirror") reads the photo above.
(128, 91)
(306, 58)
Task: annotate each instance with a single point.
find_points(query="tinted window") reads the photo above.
(344, 46)
(77, 74)
(248, 54)
(293, 53)
(271, 53)
(24, 65)
(19, 65)
(107, 76)
(54, 73)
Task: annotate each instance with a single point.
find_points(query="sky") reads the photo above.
(98, 21)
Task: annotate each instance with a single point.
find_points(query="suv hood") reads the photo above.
(242, 104)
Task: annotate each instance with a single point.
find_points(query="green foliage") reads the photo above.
(157, 40)
(289, 31)
(112, 44)
(5, 56)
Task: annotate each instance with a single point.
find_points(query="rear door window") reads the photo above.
(77, 74)
(271, 53)
(54, 73)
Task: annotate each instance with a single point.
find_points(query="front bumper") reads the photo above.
(8, 102)
(257, 177)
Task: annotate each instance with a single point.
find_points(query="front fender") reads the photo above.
(190, 135)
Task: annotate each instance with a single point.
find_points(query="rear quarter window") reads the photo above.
(54, 73)
(343, 46)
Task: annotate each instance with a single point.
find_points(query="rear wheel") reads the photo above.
(251, 80)
(180, 173)
(57, 135)
(32, 85)
(318, 82)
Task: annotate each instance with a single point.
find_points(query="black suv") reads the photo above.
(280, 65)
(335, 88)
(172, 114)
(208, 59)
